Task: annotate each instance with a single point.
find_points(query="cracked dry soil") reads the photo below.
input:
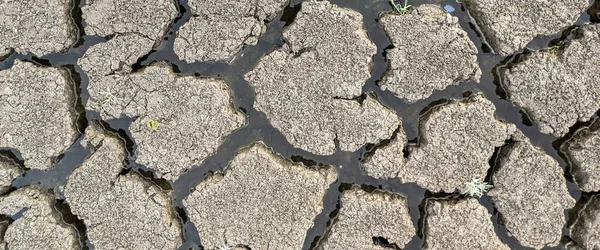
(300, 124)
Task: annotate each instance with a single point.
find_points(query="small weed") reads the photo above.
(476, 187)
(110, 100)
(401, 9)
(153, 125)
(226, 247)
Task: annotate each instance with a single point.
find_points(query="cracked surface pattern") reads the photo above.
(363, 216)
(260, 200)
(511, 25)
(586, 230)
(38, 116)
(8, 172)
(298, 124)
(388, 161)
(531, 194)
(40, 27)
(115, 56)
(431, 52)
(462, 224)
(38, 223)
(304, 88)
(558, 86)
(584, 151)
(218, 29)
(109, 17)
(120, 211)
(195, 114)
(457, 141)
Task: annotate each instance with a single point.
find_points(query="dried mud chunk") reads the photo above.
(458, 139)
(463, 224)
(8, 172)
(586, 230)
(363, 216)
(584, 152)
(148, 19)
(262, 201)
(38, 116)
(218, 29)
(120, 211)
(511, 25)
(387, 161)
(558, 87)
(40, 27)
(305, 88)
(531, 194)
(180, 120)
(431, 52)
(38, 223)
(116, 56)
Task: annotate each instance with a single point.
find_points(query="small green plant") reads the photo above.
(401, 9)
(153, 125)
(110, 100)
(226, 247)
(476, 187)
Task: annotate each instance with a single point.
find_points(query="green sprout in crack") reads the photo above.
(153, 125)
(110, 100)
(476, 187)
(401, 9)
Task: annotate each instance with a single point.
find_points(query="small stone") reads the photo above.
(448, 8)
(262, 201)
(38, 114)
(119, 211)
(218, 30)
(558, 86)
(531, 194)
(311, 88)
(584, 153)
(363, 216)
(460, 224)
(431, 52)
(37, 223)
(40, 27)
(108, 17)
(586, 229)
(512, 24)
(8, 172)
(458, 140)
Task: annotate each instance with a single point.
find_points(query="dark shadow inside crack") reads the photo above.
(371, 148)
(594, 12)
(77, 20)
(14, 156)
(70, 219)
(290, 12)
(320, 232)
(494, 161)
(383, 242)
(578, 131)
